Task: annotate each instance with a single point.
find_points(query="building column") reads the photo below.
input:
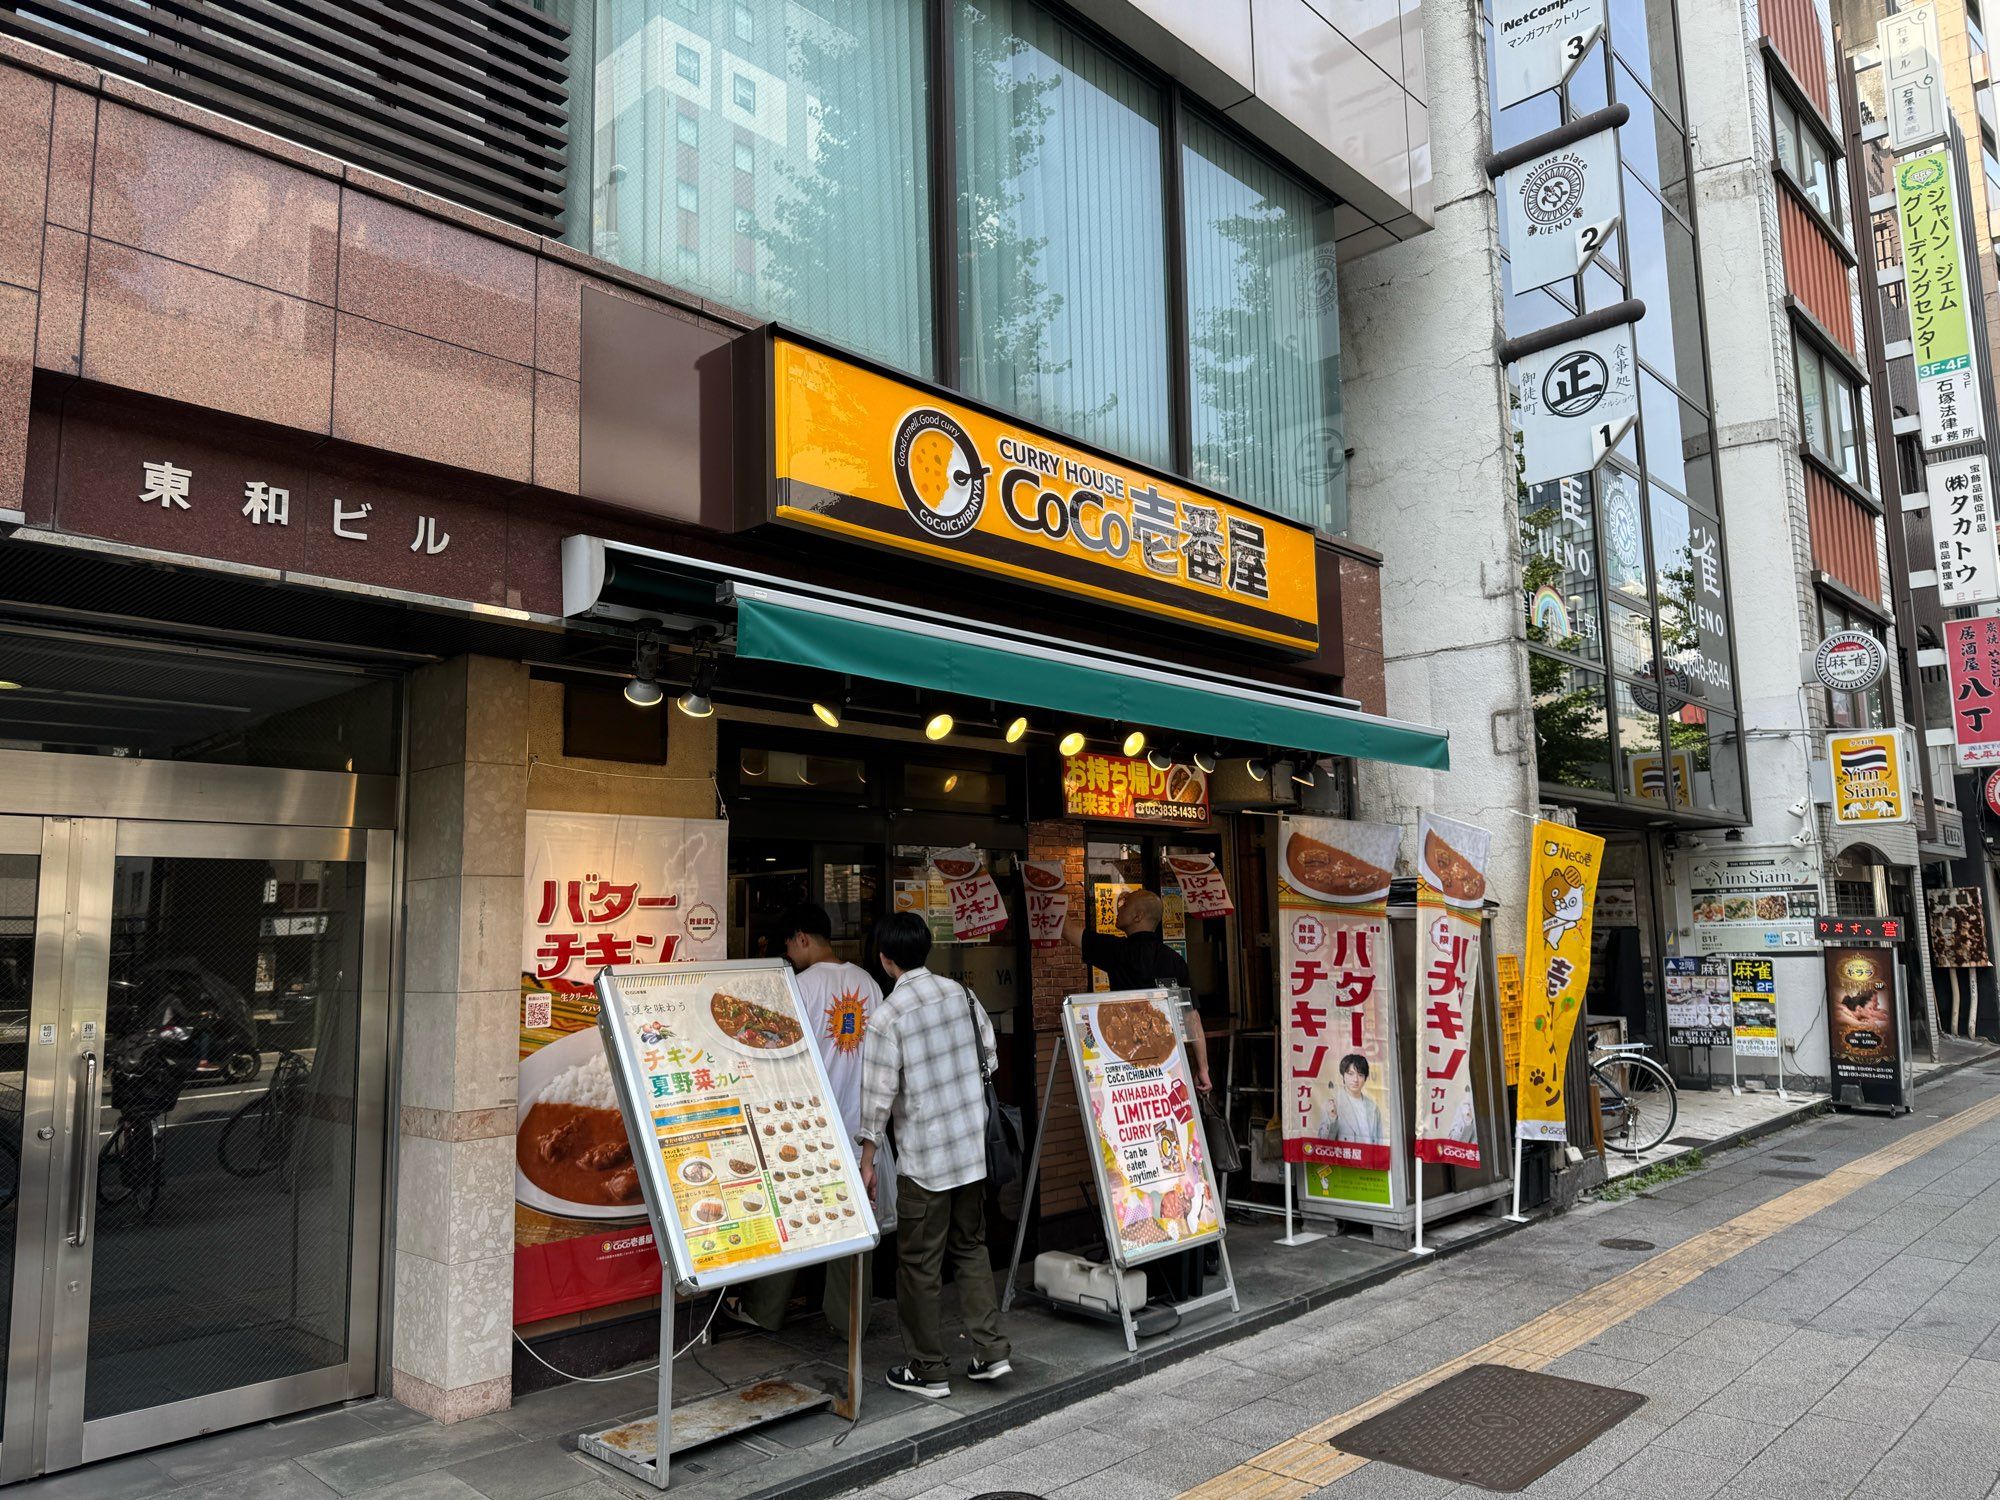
(454, 1255)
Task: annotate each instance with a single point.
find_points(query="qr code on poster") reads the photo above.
(538, 1012)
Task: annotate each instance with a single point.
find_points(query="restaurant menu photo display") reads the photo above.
(750, 1167)
(1155, 1180)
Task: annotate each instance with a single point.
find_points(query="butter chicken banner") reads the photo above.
(977, 908)
(870, 457)
(1048, 900)
(1155, 1182)
(601, 890)
(1451, 896)
(1337, 1040)
(1562, 885)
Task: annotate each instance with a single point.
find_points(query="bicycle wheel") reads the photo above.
(253, 1141)
(1649, 1102)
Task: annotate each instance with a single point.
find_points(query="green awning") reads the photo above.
(959, 658)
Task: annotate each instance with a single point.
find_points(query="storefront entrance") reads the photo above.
(194, 998)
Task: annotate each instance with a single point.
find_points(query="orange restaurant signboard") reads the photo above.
(864, 455)
(1129, 790)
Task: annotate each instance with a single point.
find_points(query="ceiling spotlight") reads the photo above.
(939, 727)
(9, 687)
(1204, 762)
(695, 701)
(1135, 742)
(1257, 769)
(1302, 773)
(951, 782)
(1071, 743)
(827, 713)
(1016, 729)
(1159, 759)
(643, 691)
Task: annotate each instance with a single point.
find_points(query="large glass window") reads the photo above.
(1263, 332)
(1062, 230)
(1804, 156)
(1829, 411)
(827, 227)
(1572, 737)
(1559, 569)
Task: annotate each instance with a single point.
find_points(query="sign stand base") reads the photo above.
(1516, 1217)
(1293, 1236)
(1126, 1318)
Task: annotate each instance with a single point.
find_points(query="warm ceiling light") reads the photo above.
(695, 702)
(1016, 729)
(1159, 759)
(643, 691)
(1204, 762)
(827, 713)
(1135, 742)
(1302, 773)
(938, 728)
(15, 687)
(1257, 770)
(951, 782)
(1071, 743)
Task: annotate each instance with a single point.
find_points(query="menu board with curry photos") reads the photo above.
(1155, 1183)
(749, 1169)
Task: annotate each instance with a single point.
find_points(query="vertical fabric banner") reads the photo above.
(1451, 894)
(601, 889)
(1336, 1038)
(1507, 971)
(1562, 890)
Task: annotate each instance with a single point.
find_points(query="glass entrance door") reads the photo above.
(199, 1057)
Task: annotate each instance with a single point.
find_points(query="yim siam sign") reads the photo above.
(861, 454)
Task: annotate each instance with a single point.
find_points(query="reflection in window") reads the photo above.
(841, 243)
(1631, 641)
(1662, 275)
(1645, 771)
(1624, 536)
(1651, 144)
(1572, 735)
(1828, 411)
(1559, 568)
(1643, 36)
(1694, 601)
(1063, 285)
(1263, 333)
(790, 770)
(1803, 155)
(1706, 767)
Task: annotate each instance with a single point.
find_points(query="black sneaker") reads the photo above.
(903, 1378)
(988, 1370)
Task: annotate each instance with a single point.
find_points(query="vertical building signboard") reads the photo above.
(1972, 657)
(1940, 317)
(1968, 558)
(1908, 42)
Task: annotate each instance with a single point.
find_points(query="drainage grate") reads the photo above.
(1006, 1495)
(1690, 1140)
(1491, 1425)
(1788, 1156)
(1791, 1174)
(1624, 1244)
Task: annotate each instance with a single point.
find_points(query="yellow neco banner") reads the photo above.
(1562, 890)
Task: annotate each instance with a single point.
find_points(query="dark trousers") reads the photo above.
(932, 1228)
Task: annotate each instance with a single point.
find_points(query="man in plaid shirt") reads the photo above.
(930, 1050)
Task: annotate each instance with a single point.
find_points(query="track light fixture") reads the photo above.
(1017, 729)
(1159, 758)
(644, 690)
(939, 726)
(1071, 743)
(1135, 742)
(1205, 762)
(1257, 770)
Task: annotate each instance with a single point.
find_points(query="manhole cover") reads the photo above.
(1788, 1156)
(1491, 1425)
(1623, 1244)
(1791, 1174)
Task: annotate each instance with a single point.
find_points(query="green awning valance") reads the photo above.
(959, 658)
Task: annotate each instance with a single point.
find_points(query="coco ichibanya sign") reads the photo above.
(1940, 317)
(861, 454)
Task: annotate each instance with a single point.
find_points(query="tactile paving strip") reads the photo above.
(1491, 1425)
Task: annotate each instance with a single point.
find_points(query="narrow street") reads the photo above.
(1813, 1315)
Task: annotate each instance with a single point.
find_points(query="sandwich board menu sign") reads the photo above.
(738, 1143)
(1155, 1182)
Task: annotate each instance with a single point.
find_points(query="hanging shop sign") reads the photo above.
(1155, 1182)
(1859, 930)
(861, 454)
(1337, 1051)
(1577, 401)
(1538, 43)
(1850, 661)
(1203, 891)
(1912, 77)
(1753, 995)
(1868, 776)
(749, 1169)
(600, 890)
(1129, 789)
(1561, 207)
(970, 895)
(1940, 316)
(1972, 659)
(1864, 1016)
(1048, 900)
(1992, 794)
(1562, 885)
(1451, 899)
(1698, 1002)
(1958, 928)
(1968, 555)
(1749, 898)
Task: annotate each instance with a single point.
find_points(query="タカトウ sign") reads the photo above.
(1968, 559)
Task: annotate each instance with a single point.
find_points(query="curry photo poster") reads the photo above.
(1339, 1076)
(600, 889)
(1562, 892)
(750, 1169)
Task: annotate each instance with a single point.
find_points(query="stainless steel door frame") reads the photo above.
(64, 1086)
(39, 783)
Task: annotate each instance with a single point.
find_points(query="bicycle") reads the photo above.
(1637, 1103)
(258, 1136)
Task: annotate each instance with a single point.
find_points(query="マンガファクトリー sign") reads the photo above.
(1130, 789)
(1940, 316)
(858, 453)
(1538, 43)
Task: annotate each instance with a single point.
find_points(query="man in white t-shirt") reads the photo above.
(838, 997)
